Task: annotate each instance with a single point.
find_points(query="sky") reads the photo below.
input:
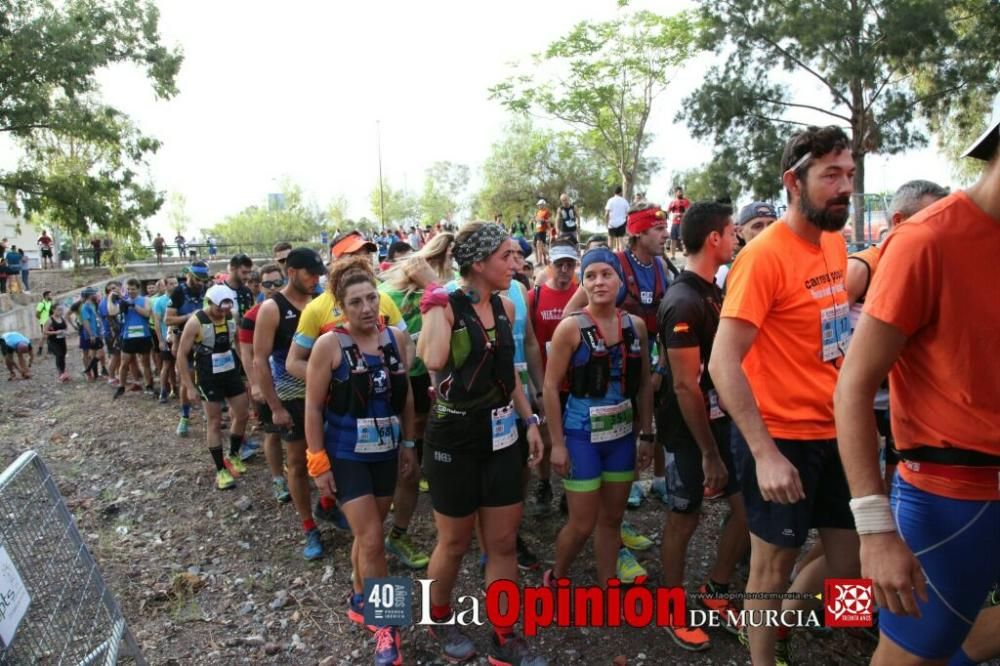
(295, 90)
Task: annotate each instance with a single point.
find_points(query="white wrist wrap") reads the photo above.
(872, 514)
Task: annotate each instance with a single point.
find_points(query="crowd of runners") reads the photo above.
(452, 364)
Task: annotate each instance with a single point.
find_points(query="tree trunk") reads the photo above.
(628, 183)
(858, 198)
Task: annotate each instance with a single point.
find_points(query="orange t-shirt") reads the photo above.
(794, 293)
(936, 283)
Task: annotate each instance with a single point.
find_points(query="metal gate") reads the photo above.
(54, 605)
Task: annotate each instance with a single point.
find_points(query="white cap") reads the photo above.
(984, 147)
(542, 202)
(219, 293)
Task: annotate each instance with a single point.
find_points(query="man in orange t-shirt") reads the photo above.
(781, 340)
(932, 318)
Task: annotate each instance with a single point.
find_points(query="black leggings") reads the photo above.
(58, 349)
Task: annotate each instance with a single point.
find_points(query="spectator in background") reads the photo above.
(42, 312)
(13, 260)
(597, 240)
(95, 246)
(45, 248)
(397, 251)
(414, 239)
(568, 219)
(181, 245)
(615, 215)
(159, 245)
(25, 266)
(677, 207)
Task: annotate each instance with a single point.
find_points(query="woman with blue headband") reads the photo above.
(600, 354)
(471, 458)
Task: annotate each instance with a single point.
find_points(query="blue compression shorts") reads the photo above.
(957, 542)
(590, 464)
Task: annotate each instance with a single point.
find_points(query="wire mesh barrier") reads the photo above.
(54, 605)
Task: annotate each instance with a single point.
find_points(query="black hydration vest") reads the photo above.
(350, 396)
(489, 365)
(590, 378)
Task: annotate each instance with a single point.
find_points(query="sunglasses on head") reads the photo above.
(272, 284)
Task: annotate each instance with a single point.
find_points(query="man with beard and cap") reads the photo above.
(784, 331)
(753, 219)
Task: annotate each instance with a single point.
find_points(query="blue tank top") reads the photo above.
(608, 418)
(135, 325)
(373, 438)
(516, 297)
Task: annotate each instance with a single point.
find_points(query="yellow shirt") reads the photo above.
(322, 314)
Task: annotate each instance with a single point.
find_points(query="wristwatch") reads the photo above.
(660, 370)
(409, 444)
(534, 420)
(645, 438)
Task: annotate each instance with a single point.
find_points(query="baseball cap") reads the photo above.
(219, 293)
(303, 258)
(525, 247)
(350, 243)
(199, 269)
(562, 253)
(755, 210)
(542, 202)
(986, 145)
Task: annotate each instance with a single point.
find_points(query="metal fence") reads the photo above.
(47, 573)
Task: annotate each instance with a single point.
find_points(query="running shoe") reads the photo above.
(314, 545)
(659, 488)
(281, 492)
(235, 465)
(113, 381)
(541, 501)
(387, 651)
(224, 480)
(691, 639)
(526, 560)
(513, 651)
(633, 540)
(163, 399)
(182, 427)
(134, 388)
(423, 485)
(452, 642)
(728, 613)
(628, 568)
(356, 611)
(714, 493)
(782, 648)
(149, 390)
(64, 378)
(994, 598)
(119, 392)
(635, 495)
(403, 550)
(333, 516)
(249, 449)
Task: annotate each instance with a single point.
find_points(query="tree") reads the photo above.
(336, 214)
(606, 77)
(529, 163)
(880, 66)
(401, 206)
(177, 213)
(709, 182)
(262, 227)
(444, 185)
(80, 156)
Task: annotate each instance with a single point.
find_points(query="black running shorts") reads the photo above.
(356, 479)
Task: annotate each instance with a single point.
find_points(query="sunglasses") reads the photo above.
(282, 260)
(272, 284)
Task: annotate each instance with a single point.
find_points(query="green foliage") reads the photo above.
(529, 163)
(881, 67)
(260, 226)
(708, 182)
(603, 78)
(444, 185)
(81, 159)
(401, 207)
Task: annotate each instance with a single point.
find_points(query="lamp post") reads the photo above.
(381, 192)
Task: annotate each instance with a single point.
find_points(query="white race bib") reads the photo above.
(611, 422)
(504, 427)
(377, 435)
(714, 407)
(835, 322)
(223, 362)
(137, 331)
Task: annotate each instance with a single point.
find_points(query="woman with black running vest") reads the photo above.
(471, 457)
(601, 354)
(358, 411)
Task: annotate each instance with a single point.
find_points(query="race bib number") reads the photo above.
(223, 362)
(610, 422)
(646, 297)
(135, 332)
(836, 331)
(522, 372)
(377, 435)
(714, 406)
(504, 428)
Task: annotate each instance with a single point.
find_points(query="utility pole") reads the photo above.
(381, 191)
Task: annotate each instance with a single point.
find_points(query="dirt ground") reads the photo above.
(209, 577)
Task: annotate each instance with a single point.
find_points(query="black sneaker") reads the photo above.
(119, 392)
(513, 652)
(333, 515)
(541, 501)
(525, 558)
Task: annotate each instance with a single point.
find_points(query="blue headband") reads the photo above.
(601, 255)
(200, 271)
